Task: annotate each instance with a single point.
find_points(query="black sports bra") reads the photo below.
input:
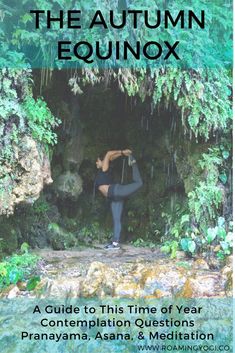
(103, 178)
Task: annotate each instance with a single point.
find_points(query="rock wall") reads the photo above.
(68, 154)
(31, 171)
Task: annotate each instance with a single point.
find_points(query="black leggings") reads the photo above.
(120, 192)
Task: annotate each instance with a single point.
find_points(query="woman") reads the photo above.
(116, 193)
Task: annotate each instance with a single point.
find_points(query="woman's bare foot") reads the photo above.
(131, 160)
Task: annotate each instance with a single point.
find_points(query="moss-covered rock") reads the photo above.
(23, 181)
(68, 185)
(24, 163)
(60, 239)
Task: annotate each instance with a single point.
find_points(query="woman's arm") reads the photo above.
(117, 154)
(111, 155)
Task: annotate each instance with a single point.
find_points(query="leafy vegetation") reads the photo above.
(213, 241)
(203, 228)
(19, 267)
(23, 120)
(211, 45)
(201, 95)
(88, 234)
(143, 243)
(206, 200)
(40, 120)
(21, 112)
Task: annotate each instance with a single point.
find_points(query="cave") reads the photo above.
(98, 115)
(102, 118)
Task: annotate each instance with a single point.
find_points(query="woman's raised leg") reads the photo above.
(122, 191)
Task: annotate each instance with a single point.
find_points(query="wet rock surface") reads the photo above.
(130, 272)
(68, 185)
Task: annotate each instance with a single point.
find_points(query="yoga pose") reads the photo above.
(116, 193)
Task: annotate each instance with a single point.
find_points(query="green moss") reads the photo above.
(61, 239)
(8, 236)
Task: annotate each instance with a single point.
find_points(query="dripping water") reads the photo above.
(152, 170)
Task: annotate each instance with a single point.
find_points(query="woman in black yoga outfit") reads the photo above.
(116, 193)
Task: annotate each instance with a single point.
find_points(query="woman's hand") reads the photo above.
(127, 152)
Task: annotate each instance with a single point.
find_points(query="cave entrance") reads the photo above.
(104, 118)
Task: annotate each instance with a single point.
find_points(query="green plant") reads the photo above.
(40, 207)
(18, 267)
(92, 232)
(220, 238)
(206, 199)
(194, 93)
(24, 248)
(217, 239)
(132, 221)
(177, 226)
(139, 242)
(170, 247)
(40, 120)
(202, 227)
(188, 245)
